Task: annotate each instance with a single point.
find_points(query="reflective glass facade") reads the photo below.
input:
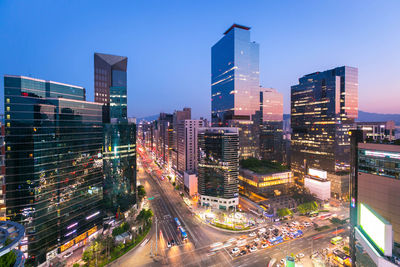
(119, 166)
(53, 162)
(110, 84)
(234, 76)
(218, 162)
(323, 108)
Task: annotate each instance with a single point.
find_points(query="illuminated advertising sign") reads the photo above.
(376, 228)
(78, 239)
(317, 173)
(380, 154)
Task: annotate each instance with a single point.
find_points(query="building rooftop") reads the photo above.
(237, 26)
(262, 166)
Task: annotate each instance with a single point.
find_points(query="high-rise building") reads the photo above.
(270, 125)
(323, 108)
(177, 122)
(119, 157)
(164, 142)
(378, 131)
(2, 170)
(234, 77)
(187, 145)
(218, 167)
(110, 84)
(375, 202)
(119, 148)
(54, 178)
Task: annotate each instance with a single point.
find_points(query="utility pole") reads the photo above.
(156, 235)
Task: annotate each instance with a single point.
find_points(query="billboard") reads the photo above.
(317, 173)
(376, 228)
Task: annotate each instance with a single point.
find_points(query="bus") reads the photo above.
(178, 223)
(336, 240)
(276, 240)
(183, 234)
(340, 256)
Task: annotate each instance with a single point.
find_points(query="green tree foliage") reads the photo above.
(307, 207)
(141, 192)
(120, 229)
(76, 265)
(284, 212)
(8, 260)
(145, 215)
(262, 166)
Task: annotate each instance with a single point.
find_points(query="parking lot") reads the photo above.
(262, 238)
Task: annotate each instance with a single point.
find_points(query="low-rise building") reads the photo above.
(190, 181)
(264, 177)
(316, 181)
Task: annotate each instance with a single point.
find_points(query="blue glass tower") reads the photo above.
(234, 77)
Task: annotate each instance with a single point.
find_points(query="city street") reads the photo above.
(166, 204)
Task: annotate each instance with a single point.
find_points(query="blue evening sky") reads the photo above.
(168, 44)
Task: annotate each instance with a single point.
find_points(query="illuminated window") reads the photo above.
(8, 116)
(8, 148)
(8, 124)
(8, 108)
(8, 100)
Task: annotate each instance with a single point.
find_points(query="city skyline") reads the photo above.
(288, 50)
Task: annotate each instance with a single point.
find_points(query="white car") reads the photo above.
(300, 255)
(262, 230)
(235, 250)
(265, 245)
(256, 239)
(69, 254)
(282, 261)
(252, 234)
(253, 249)
(232, 240)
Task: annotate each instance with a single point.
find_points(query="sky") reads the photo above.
(168, 45)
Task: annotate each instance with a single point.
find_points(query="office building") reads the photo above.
(218, 168)
(323, 108)
(378, 131)
(187, 145)
(270, 183)
(374, 212)
(270, 125)
(2, 171)
(119, 144)
(178, 148)
(164, 138)
(317, 183)
(234, 76)
(119, 158)
(54, 177)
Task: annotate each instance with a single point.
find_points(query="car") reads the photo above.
(307, 224)
(255, 244)
(256, 239)
(172, 242)
(232, 240)
(68, 254)
(243, 252)
(271, 229)
(300, 255)
(282, 261)
(253, 249)
(265, 245)
(262, 230)
(248, 246)
(235, 250)
(169, 244)
(252, 234)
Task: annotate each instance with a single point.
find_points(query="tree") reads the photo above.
(76, 265)
(8, 259)
(145, 215)
(141, 192)
(284, 212)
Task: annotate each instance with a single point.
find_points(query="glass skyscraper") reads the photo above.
(110, 81)
(234, 77)
(54, 178)
(218, 167)
(324, 106)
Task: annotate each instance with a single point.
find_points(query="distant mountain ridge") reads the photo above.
(362, 116)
